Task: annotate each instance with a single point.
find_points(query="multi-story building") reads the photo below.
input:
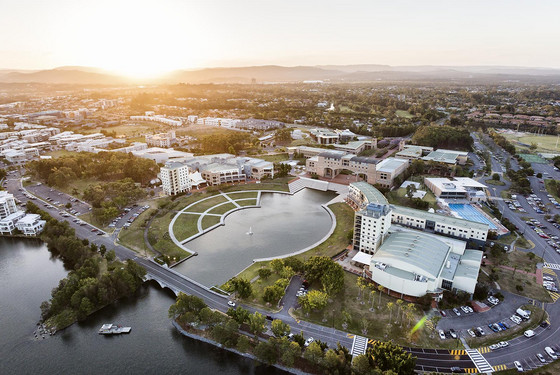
(31, 224)
(259, 125)
(8, 224)
(178, 178)
(457, 188)
(7, 204)
(386, 171)
(371, 226)
(161, 140)
(330, 163)
(217, 174)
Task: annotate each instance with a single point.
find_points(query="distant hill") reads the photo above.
(275, 73)
(62, 76)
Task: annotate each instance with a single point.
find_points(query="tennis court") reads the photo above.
(468, 212)
(530, 158)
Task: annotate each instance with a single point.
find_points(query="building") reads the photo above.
(217, 174)
(414, 264)
(324, 137)
(360, 194)
(7, 204)
(259, 125)
(8, 224)
(31, 224)
(329, 164)
(157, 118)
(371, 226)
(446, 225)
(447, 157)
(178, 178)
(162, 155)
(412, 152)
(355, 147)
(388, 169)
(457, 188)
(162, 139)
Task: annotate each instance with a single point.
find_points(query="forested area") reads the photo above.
(443, 137)
(96, 277)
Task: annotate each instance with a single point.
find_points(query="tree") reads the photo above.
(267, 352)
(240, 315)
(314, 300)
(264, 273)
(102, 250)
(272, 293)
(110, 256)
(290, 353)
(399, 304)
(496, 177)
(371, 297)
(186, 303)
(242, 286)
(361, 365)
(277, 265)
(362, 284)
(287, 272)
(380, 288)
(391, 357)
(313, 353)
(243, 343)
(279, 328)
(390, 306)
(256, 323)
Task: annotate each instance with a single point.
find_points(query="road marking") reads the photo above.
(553, 266)
(359, 345)
(554, 296)
(500, 367)
(549, 271)
(350, 336)
(479, 361)
(457, 352)
(484, 350)
(471, 370)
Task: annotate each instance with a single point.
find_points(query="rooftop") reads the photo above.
(372, 194)
(389, 165)
(439, 218)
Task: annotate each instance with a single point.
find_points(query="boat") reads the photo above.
(112, 329)
(250, 232)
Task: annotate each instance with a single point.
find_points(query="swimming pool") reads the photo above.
(468, 212)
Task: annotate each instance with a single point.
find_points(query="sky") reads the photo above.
(147, 37)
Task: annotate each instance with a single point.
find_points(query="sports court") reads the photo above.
(531, 158)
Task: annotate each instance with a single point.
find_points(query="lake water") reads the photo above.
(283, 224)
(28, 274)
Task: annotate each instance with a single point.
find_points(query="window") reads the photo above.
(446, 284)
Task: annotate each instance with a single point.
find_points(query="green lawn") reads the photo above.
(241, 195)
(405, 114)
(494, 182)
(275, 158)
(158, 236)
(399, 197)
(248, 202)
(185, 226)
(89, 218)
(546, 143)
(208, 203)
(208, 221)
(220, 210)
(133, 236)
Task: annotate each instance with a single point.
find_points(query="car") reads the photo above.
(515, 319)
(453, 333)
(503, 344)
(481, 331)
(291, 337)
(456, 370)
(529, 333)
(469, 309)
(309, 341)
(231, 304)
(541, 357)
(443, 313)
(494, 327)
(551, 353)
(494, 347)
(456, 311)
(269, 317)
(471, 333)
(94, 229)
(503, 325)
(544, 324)
(441, 334)
(518, 366)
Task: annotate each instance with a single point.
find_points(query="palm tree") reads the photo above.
(399, 303)
(390, 306)
(410, 312)
(380, 288)
(371, 294)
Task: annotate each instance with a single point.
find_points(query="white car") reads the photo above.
(551, 353)
(441, 334)
(548, 278)
(541, 357)
(309, 341)
(231, 304)
(471, 333)
(515, 319)
(518, 366)
(494, 346)
(529, 333)
(456, 311)
(503, 344)
(481, 331)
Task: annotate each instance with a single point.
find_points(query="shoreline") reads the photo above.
(193, 336)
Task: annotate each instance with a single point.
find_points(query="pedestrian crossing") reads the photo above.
(500, 367)
(553, 266)
(359, 345)
(479, 361)
(471, 370)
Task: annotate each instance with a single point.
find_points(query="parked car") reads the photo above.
(441, 334)
(481, 331)
(309, 341)
(471, 333)
(541, 357)
(518, 366)
(456, 311)
(453, 333)
(551, 353)
(529, 333)
(503, 344)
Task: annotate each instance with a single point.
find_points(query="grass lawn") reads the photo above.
(399, 197)
(208, 221)
(89, 218)
(158, 236)
(201, 130)
(204, 205)
(543, 142)
(80, 185)
(514, 330)
(495, 182)
(248, 202)
(509, 280)
(185, 226)
(133, 236)
(550, 189)
(275, 158)
(405, 114)
(220, 210)
(136, 129)
(381, 323)
(240, 195)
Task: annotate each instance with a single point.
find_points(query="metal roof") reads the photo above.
(372, 194)
(439, 218)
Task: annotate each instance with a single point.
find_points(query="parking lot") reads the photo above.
(59, 199)
(127, 217)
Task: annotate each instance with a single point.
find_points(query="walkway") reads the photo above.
(359, 345)
(479, 361)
